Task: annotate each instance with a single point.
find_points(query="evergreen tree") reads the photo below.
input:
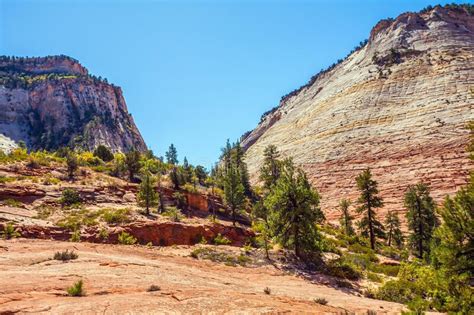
(392, 225)
(172, 155)
(421, 217)
(187, 171)
(71, 164)
(147, 196)
(346, 218)
(176, 177)
(233, 191)
(270, 170)
(201, 174)
(226, 155)
(294, 211)
(368, 200)
(238, 160)
(132, 161)
(455, 251)
(103, 153)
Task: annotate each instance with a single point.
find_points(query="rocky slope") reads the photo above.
(398, 104)
(53, 101)
(116, 279)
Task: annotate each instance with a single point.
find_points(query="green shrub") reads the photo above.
(50, 180)
(221, 240)
(389, 270)
(76, 289)
(126, 239)
(70, 197)
(6, 179)
(13, 203)
(9, 231)
(116, 216)
(343, 269)
(65, 255)
(173, 213)
(75, 236)
(104, 234)
(103, 153)
(422, 286)
(216, 256)
(374, 277)
(321, 301)
(78, 218)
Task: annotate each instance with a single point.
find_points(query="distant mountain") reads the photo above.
(399, 104)
(53, 101)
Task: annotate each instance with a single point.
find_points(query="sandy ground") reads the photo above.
(116, 279)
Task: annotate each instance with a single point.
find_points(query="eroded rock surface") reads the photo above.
(116, 279)
(53, 101)
(398, 105)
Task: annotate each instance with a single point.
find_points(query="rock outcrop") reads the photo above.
(398, 104)
(52, 102)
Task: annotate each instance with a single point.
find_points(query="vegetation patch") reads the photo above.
(222, 257)
(125, 238)
(116, 216)
(65, 255)
(9, 231)
(76, 289)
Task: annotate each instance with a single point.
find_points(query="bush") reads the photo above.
(153, 288)
(75, 236)
(116, 216)
(77, 289)
(78, 218)
(103, 153)
(126, 239)
(70, 197)
(173, 213)
(321, 301)
(65, 255)
(9, 231)
(424, 287)
(267, 290)
(343, 269)
(214, 255)
(374, 277)
(13, 203)
(104, 234)
(221, 240)
(389, 270)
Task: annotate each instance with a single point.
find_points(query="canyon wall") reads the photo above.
(398, 105)
(52, 102)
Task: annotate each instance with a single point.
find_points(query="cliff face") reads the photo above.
(52, 102)
(399, 105)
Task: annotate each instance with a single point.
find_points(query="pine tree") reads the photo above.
(233, 190)
(147, 196)
(176, 177)
(368, 200)
(294, 211)
(201, 174)
(270, 170)
(187, 171)
(455, 251)
(346, 218)
(132, 161)
(172, 155)
(421, 217)
(237, 155)
(392, 225)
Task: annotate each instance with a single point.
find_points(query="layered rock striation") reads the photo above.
(398, 105)
(53, 101)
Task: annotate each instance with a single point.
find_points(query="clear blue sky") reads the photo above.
(195, 73)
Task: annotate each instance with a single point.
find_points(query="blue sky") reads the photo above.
(195, 73)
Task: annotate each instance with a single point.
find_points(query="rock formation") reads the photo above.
(52, 102)
(398, 104)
